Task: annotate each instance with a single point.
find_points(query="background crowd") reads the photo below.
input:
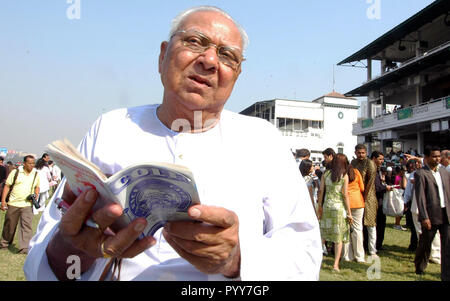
(24, 191)
(352, 200)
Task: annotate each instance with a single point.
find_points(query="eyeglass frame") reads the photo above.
(210, 44)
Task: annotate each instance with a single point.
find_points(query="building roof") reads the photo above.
(336, 95)
(420, 19)
(432, 59)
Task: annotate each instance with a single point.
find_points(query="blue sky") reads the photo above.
(58, 74)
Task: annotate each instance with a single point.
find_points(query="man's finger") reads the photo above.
(106, 216)
(68, 195)
(201, 232)
(199, 249)
(117, 244)
(74, 218)
(139, 246)
(217, 216)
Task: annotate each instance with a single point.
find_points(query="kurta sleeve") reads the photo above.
(291, 247)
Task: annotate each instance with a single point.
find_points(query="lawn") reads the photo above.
(396, 262)
(11, 263)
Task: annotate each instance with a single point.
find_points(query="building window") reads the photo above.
(304, 125)
(340, 148)
(297, 124)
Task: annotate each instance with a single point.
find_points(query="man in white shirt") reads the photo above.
(255, 221)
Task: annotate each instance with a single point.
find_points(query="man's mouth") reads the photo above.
(200, 80)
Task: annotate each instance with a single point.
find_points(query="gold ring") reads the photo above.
(105, 255)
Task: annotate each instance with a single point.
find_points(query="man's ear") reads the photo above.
(162, 54)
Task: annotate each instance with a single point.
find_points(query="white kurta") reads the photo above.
(242, 164)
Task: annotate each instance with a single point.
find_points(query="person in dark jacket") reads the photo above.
(432, 190)
(380, 190)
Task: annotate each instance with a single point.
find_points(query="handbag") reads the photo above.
(393, 204)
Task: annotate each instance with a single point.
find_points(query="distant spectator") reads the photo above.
(55, 172)
(398, 181)
(319, 174)
(9, 167)
(380, 189)
(368, 171)
(307, 171)
(445, 159)
(432, 191)
(408, 198)
(44, 186)
(328, 156)
(301, 154)
(3, 175)
(46, 158)
(334, 208)
(354, 250)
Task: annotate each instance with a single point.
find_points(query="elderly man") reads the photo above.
(255, 221)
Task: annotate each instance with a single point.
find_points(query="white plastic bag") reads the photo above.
(393, 204)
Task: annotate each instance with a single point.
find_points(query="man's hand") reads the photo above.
(212, 245)
(74, 237)
(426, 224)
(4, 206)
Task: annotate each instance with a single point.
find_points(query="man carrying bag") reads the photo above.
(19, 206)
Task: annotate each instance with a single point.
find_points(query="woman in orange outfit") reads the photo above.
(354, 249)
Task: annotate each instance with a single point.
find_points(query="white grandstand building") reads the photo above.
(315, 125)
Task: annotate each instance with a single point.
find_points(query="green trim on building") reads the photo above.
(404, 113)
(366, 123)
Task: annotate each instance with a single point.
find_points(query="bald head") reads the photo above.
(177, 22)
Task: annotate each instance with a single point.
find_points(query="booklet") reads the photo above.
(159, 192)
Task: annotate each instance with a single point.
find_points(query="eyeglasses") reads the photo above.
(198, 43)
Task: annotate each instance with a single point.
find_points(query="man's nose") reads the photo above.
(209, 58)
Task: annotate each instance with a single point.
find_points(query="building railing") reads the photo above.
(300, 133)
(404, 115)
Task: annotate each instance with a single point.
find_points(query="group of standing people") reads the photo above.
(350, 204)
(19, 186)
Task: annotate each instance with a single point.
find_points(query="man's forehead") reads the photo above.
(214, 25)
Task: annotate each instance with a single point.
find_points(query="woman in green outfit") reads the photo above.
(334, 210)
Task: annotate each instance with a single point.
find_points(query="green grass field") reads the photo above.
(396, 262)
